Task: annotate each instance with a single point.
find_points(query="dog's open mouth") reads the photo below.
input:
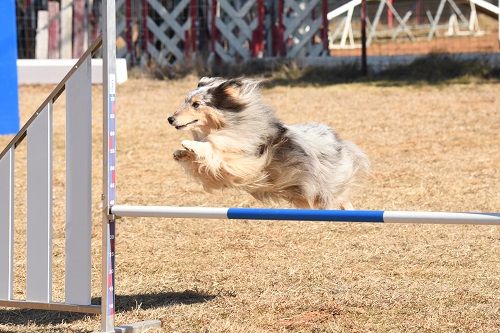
(182, 126)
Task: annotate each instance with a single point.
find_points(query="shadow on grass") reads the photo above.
(439, 69)
(156, 300)
(123, 302)
(430, 69)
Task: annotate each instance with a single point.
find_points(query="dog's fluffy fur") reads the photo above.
(239, 142)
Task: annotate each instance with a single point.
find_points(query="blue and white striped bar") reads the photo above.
(369, 216)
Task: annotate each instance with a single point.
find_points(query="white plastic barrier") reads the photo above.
(51, 71)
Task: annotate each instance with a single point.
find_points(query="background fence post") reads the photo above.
(364, 65)
(194, 26)
(66, 28)
(128, 30)
(213, 31)
(324, 31)
(53, 28)
(390, 17)
(42, 34)
(145, 31)
(78, 27)
(258, 33)
(281, 45)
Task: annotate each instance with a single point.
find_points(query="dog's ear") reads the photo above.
(207, 80)
(250, 85)
(232, 87)
(240, 86)
(226, 96)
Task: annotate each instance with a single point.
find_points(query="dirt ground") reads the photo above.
(432, 148)
(453, 45)
(383, 44)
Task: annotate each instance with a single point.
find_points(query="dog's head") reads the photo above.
(208, 107)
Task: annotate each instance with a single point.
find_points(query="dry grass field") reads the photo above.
(432, 148)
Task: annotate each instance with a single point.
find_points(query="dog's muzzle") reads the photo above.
(171, 121)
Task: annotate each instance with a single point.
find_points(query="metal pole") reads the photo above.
(109, 149)
(364, 65)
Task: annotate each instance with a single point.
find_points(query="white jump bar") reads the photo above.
(370, 216)
(165, 211)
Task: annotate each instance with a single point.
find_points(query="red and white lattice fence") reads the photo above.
(237, 29)
(171, 32)
(305, 28)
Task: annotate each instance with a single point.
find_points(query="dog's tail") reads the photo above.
(361, 163)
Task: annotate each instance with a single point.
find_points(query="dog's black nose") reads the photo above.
(171, 120)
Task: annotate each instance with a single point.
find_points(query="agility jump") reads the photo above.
(38, 131)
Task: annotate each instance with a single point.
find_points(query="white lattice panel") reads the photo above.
(302, 28)
(168, 33)
(235, 22)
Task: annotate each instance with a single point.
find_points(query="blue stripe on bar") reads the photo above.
(306, 215)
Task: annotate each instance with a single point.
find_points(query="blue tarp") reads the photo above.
(9, 109)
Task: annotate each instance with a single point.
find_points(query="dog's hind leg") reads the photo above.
(343, 204)
(346, 205)
(301, 203)
(344, 200)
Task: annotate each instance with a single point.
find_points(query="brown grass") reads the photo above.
(432, 148)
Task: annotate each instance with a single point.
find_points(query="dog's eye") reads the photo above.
(195, 105)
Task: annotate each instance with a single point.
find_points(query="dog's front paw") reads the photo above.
(188, 145)
(182, 155)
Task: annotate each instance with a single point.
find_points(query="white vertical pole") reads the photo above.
(78, 185)
(42, 35)
(6, 224)
(66, 29)
(39, 227)
(109, 149)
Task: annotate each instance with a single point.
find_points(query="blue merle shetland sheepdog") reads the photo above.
(238, 142)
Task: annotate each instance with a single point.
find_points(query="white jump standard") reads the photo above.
(39, 134)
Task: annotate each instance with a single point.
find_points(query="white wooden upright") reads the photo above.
(66, 29)
(6, 224)
(42, 35)
(78, 185)
(39, 227)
